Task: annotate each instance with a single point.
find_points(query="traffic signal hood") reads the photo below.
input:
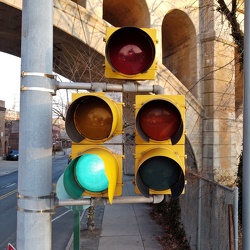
(160, 145)
(130, 53)
(93, 118)
(92, 121)
(160, 119)
(94, 172)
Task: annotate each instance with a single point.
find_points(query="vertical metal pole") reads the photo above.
(246, 134)
(236, 218)
(76, 228)
(199, 215)
(35, 131)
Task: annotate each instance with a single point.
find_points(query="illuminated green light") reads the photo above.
(90, 173)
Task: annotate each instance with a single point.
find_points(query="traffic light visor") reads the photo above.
(130, 51)
(92, 117)
(160, 169)
(95, 171)
(159, 120)
(159, 173)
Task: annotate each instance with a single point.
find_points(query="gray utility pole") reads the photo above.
(35, 203)
(246, 133)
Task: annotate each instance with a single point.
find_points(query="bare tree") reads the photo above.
(230, 12)
(60, 105)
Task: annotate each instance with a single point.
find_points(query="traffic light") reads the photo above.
(94, 124)
(130, 53)
(160, 145)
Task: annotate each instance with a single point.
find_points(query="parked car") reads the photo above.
(13, 155)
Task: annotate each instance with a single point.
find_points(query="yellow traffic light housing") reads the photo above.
(130, 53)
(160, 145)
(93, 117)
(94, 124)
(94, 172)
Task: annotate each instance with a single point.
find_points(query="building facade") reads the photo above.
(2, 128)
(196, 57)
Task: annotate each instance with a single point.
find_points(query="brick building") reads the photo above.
(9, 132)
(2, 128)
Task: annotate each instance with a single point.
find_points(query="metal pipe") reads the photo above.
(236, 217)
(126, 87)
(158, 89)
(116, 200)
(34, 227)
(199, 215)
(73, 85)
(246, 133)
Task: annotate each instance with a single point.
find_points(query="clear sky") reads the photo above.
(10, 70)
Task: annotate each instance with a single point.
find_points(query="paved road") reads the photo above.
(62, 220)
(8, 190)
(124, 226)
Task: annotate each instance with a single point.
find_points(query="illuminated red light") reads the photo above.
(130, 51)
(159, 120)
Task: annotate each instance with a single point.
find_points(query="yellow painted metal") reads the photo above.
(149, 75)
(116, 109)
(106, 108)
(144, 152)
(113, 169)
(177, 100)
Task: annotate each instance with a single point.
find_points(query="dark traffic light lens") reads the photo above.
(159, 120)
(130, 50)
(160, 173)
(93, 118)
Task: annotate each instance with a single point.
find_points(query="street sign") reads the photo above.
(10, 247)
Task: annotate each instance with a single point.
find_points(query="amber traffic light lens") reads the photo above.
(159, 120)
(130, 51)
(93, 118)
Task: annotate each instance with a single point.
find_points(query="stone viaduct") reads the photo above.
(196, 57)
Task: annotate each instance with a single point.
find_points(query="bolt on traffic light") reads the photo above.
(160, 145)
(94, 124)
(130, 53)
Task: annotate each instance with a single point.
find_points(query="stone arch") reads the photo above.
(126, 13)
(179, 49)
(191, 162)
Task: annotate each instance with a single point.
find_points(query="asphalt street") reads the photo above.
(61, 234)
(118, 226)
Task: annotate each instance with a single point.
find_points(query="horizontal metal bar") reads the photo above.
(73, 85)
(116, 200)
(129, 86)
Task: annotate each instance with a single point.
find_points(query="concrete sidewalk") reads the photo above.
(128, 226)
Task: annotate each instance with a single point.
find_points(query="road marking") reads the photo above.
(8, 185)
(8, 194)
(60, 215)
(14, 191)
